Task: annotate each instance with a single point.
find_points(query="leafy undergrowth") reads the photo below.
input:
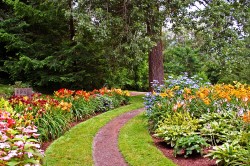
(136, 144)
(75, 146)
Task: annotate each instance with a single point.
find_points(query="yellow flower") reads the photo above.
(126, 93)
(163, 94)
(206, 101)
(187, 90)
(170, 93)
(176, 87)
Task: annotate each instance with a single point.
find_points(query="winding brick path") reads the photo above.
(105, 145)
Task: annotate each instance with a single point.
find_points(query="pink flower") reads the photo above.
(19, 143)
(35, 135)
(3, 137)
(29, 155)
(29, 130)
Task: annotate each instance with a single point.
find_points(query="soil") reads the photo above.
(195, 160)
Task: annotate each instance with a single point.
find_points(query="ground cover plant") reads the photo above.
(190, 114)
(26, 122)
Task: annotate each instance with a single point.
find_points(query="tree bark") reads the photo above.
(156, 69)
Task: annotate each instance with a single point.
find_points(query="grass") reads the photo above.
(137, 146)
(75, 147)
(6, 90)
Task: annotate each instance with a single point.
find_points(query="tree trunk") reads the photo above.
(156, 70)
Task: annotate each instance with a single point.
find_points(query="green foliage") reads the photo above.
(82, 108)
(230, 154)
(180, 59)
(190, 145)
(220, 127)
(221, 36)
(6, 90)
(175, 126)
(54, 44)
(52, 125)
(158, 112)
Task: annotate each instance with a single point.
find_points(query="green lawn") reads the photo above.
(137, 146)
(75, 147)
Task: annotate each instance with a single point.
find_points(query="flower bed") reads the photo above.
(191, 115)
(27, 122)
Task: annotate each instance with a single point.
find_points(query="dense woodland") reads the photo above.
(87, 44)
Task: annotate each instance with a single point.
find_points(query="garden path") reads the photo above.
(105, 145)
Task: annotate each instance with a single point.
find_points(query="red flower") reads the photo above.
(10, 122)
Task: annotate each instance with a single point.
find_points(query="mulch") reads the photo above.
(195, 160)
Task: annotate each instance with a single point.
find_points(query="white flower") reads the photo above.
(19, 136)
(4, 145)
(5, 158)
(37, 145)
(12, 153)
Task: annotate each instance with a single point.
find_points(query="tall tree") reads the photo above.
(222, 29)
(124, 22)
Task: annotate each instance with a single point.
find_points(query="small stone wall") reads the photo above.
(23, 92)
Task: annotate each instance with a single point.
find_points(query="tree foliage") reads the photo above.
(88, 44)
(220, 30)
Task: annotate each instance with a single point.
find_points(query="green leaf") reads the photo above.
(13, 163)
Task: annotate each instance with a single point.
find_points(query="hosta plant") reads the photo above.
(190, 145)
(220, 127)
(175, 126)
(230, 155)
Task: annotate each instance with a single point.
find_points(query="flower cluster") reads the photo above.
(25, 121)
(38, 104)
(222, 112)
(66, 93)
(17, 143)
